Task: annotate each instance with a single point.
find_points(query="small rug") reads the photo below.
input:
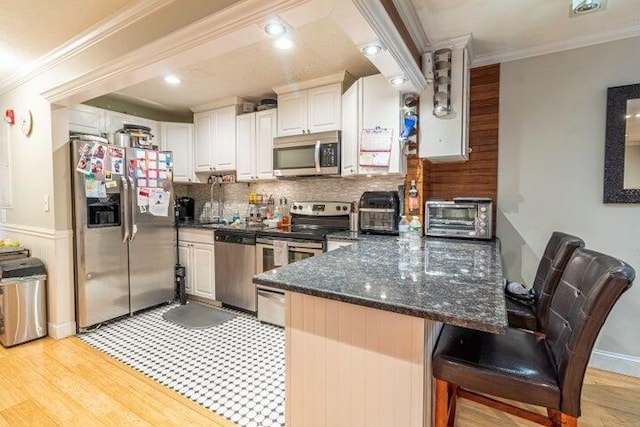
(197, 316)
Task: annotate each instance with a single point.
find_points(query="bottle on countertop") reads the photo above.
(403, 231)
(415, 233)
(414, 198)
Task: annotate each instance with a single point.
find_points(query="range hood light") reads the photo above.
(397, 81)
(582, 7)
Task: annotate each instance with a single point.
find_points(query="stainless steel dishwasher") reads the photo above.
(235, 255)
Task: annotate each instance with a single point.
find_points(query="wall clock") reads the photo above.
(25, 121)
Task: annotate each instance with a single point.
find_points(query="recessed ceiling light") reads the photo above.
(173, 80)
(397, 81)
(582, 7)
(371, 49)
(283, 43)
(637, 115)
(275, 29)
(628, 116)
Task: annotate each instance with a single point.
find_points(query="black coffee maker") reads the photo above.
(186, 209)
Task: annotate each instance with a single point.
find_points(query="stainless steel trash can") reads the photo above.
(23, 302)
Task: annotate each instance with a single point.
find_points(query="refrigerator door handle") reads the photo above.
(132, 206)
(125, 209)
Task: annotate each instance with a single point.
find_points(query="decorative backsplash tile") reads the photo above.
(235, 197)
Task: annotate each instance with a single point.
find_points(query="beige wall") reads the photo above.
(552, 133)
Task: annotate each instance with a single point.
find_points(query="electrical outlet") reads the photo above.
(46, 203)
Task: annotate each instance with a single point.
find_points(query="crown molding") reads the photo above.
(122, 18)
(378, 18)
(410, 18)
(340, 77)
(210, 28)
(559, 46)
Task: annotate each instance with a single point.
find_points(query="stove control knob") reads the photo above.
(337, 208)
(295, 207)
(483, 216)
(300, 207)
(344, 208)
(483, 209)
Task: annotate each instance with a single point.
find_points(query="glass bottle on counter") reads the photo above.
(414, 198)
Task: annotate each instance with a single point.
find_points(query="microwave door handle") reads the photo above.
(125, 209)
(317, 155)
(133, 206)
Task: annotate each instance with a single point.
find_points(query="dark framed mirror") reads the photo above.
(622, 145)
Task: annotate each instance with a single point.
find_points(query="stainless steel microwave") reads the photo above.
(469, 217)
(307, 154)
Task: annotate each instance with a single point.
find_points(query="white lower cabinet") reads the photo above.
(199, 262)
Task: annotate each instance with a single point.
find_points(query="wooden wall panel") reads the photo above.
(479, 176)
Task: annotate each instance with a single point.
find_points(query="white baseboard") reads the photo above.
(61, 331)
(615, 362)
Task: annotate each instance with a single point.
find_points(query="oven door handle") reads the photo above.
(317, 155)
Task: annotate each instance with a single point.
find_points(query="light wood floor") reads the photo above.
(67, 382)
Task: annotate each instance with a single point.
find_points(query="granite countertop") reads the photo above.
(354, 236)
(453, 281)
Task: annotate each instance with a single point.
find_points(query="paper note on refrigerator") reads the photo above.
(143, 197)
(159, 203)
(280, 252)
(93, 188)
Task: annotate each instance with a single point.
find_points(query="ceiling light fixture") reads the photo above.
(283, 43)
(581, 7)
(173, 80)
(637, 116)
(275, 29)
(628, 116)
(372, 49)
(397, 81)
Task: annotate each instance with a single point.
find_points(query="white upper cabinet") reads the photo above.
(311, 110)
(324, 106)
(224, 141)
(350, 133)
(369, 103)
(446, 139)
(86, 119)
(202, 152)
(254, 145)
(215, 140)
(178, 138)
(265, 132)
(246, 147)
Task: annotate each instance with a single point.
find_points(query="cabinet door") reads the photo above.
(292, 113)
(203, 124)
(115, 121)
(324, 108)
(86, 119)
(203, 270)
(350, 129)
(184, 253)
(224, 141)
(178, 138)
(246, 147)
(381, 107)
(265, 132)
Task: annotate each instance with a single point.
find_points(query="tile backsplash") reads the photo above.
(235, 197)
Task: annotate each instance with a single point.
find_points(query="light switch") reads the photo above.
(46, 203)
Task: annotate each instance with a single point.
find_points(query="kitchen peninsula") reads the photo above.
(362, 321)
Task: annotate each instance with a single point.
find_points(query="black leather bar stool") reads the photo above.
(544, 371)
(554, 260)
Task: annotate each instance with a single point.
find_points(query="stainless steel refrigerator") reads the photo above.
(123, 223)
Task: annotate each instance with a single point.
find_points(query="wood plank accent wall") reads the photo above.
(479, 175)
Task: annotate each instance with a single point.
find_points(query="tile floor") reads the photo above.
(235, 369)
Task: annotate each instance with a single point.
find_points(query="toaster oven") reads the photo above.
(468, 217)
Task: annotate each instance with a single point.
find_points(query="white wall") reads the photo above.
(551, 161)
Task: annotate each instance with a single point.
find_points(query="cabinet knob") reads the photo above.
(304, 131)
(308, 131)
